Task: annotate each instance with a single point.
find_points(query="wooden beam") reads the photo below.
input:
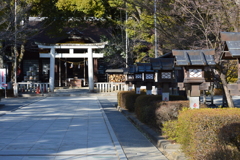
(73, 46)
(75, 55)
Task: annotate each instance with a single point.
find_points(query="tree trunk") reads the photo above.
(226, 91)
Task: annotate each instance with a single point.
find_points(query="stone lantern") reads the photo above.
(144, 76)
(130, 76)
(165, 78)
(194, 63)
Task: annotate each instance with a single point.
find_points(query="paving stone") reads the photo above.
(51, 129)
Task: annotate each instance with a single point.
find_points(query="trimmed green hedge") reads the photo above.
(126, 99)
(202, 133)
(149, 108)
(145, 108)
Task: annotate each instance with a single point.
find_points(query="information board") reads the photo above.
(2, 78)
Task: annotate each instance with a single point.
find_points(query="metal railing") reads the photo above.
(110, 86)
(33, 87)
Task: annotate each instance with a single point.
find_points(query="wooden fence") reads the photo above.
(110, 86)
(32, 87)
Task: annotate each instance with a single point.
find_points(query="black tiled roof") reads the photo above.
(144, 67)
(232, 40)
(194, 57)
(234, 48)
(130, 70)
(230, 36)
(162, 63)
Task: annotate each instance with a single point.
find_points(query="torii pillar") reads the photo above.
(90, 70)
(52, 69)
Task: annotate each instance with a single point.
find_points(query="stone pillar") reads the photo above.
(149, 88)
(137, 88)
(90, 70)
(165, 91)
(194, 97)
(52, 69)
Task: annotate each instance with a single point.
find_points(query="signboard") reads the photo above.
(149, 92)
(2, 78)
(165, 96)
(138, 91)
(4, 85)
(194, 102)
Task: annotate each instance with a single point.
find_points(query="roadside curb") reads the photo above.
(170, 150)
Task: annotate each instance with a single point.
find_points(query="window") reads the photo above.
(166, 75)
(195, 73)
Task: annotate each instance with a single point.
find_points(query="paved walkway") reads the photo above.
(11, 104)
(134, 144)
(85, 127)
(58, 128)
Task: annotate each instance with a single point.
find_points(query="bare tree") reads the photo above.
(193, 24)
(15, 30)
(207, 19)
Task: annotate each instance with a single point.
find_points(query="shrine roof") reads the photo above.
(162, 63)
(230, 36)
(232, 40)
(130, 70)
(194, 57)
(144, 67)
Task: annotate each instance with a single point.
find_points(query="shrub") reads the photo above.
(150, 110)
(166, 111)
(126, 99)
(230, 135)
(145, 108)
(198, 132)
(223, 153)
(120, 96)
(129, 100)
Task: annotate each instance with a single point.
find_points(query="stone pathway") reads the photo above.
(58, 128)
(135, 145)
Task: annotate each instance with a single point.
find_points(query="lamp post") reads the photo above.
(155, 28)
(15, 89)
(126, 45)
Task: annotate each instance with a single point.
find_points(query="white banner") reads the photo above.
(2, 78)
(194, 102)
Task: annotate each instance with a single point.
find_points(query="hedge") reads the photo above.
(145, 108)
(126, 99)
(207, 134)
(149, 108)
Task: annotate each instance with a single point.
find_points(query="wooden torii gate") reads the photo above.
(90, 55)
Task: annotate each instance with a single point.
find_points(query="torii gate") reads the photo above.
(90, 55)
